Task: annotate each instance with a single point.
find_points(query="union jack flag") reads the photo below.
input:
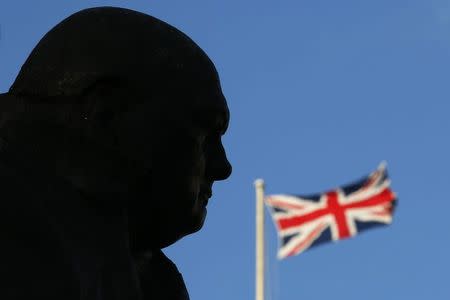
(303, 222)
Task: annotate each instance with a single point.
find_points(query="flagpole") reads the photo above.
(259, 187)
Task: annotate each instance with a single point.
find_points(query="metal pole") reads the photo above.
(259, 187)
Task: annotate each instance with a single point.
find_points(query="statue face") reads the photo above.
(178, 140)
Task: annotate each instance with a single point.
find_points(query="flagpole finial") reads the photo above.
(259, 182)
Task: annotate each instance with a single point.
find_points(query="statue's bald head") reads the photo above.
(108, 43)
(149, 96)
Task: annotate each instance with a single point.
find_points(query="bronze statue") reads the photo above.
(110, 142)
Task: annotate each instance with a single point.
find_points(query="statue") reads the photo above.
(110, 142)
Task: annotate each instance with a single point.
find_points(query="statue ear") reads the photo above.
(103, 100)
(103, 103)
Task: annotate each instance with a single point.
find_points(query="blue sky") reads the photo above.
(320, 92)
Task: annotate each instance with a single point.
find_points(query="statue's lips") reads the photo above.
(203, 196)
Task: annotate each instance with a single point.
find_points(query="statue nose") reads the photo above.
(219, 166)
(225, 170)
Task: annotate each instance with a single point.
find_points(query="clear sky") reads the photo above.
(320, 92)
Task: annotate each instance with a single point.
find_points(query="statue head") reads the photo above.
(146, 96)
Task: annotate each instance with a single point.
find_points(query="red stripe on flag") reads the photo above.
(338, 212)
(300, 220)
(385, 196)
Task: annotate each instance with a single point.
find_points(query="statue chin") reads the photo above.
(195, 225)
(198, 221)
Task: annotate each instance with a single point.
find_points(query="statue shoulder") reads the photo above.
(33, 263)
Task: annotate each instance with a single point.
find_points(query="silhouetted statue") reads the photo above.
(110, 141)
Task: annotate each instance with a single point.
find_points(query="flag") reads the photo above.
(303, 222)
